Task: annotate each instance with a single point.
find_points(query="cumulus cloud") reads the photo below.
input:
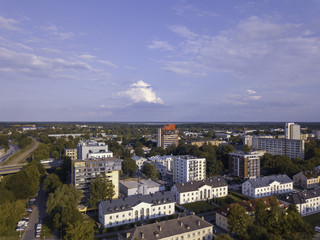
(160, 45)
(141, 92)
(183, 31)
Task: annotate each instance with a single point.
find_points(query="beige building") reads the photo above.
(199, 143)
(71, 152)
(83, 171)
(167, 136)
(307, 179)
(223, 213)
(188, 228)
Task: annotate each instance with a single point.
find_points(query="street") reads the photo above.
(12, 150)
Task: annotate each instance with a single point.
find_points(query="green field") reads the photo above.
(199, 207)
(313, 219)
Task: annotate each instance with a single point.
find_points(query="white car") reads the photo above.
(317, 229)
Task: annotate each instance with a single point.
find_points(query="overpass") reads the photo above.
(9, 169)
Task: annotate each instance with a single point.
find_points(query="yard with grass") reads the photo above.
(313, 219)
(200, 207)
(232, 197)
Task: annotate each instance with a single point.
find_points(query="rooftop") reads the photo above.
(301, 197)
(267, 180)
(135, 184)
(167, 229)
(125, 204)
(195, 185)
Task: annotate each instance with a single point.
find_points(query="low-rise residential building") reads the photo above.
(189, 227)
(82, 171)
(166, 161)
(307, 179)
(189, 168)
(213, 142)
(267, 186)
(140, 186)
(306, 202)
(223, 213)
(135, 208)
(245, 164)
(71, 152)
(140, 161)
(200, 190)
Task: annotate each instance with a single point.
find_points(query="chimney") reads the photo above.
(159, 228)
(127, 235)
(198, 222)
(180, 223)
(202, 217)
(142, 235)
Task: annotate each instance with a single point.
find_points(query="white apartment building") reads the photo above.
(292, 131)
(189, 192)
(189, 168)
(307, 179)
(280, 146)
(306, 202)
(140, 161)
(93, 149)
(135, 208)
(189, 227)
(141, 186)
(163, 160)
(267, 186)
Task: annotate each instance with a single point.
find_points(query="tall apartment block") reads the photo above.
(83, 171)
(189, 168)
(168, 135)
(93, 149)
(292, 131)
(245, 165)
(280, 146)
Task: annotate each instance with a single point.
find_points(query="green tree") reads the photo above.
(101, 189)
(80, 231)
(51, 183)
(129, 166)
(151, 171)
(246, 148)
(10, 213)
(239, 220)
(261, 213)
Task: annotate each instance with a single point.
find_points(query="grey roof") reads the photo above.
(135, 184)
(267, 180)
(168, 228)
(195, 185)
(125, 204)
(301, 197)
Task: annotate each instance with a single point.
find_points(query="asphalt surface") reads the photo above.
(12, 150)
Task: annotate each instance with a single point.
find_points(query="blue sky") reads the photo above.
(160, 60)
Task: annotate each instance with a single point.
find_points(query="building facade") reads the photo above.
(72, 153)
(267, 186)
(189, 227)
(167, 136)
(194, 191)
(306, 202)
(135, 208)
(140, 186)
(292, 131)
(245, 165)
(189, 168)
(140, 162)
(280, 146)
(166, 161)
(307, 179)
(83, 171)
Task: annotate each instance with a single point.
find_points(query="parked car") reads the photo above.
(29, 209)
(317, 229)
(38, 234)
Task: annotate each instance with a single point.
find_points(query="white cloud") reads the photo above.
(183, 31)
(250, 91)
(53, 30)
(141, 92)
(160, 45)
(8, 23)
(94, 59)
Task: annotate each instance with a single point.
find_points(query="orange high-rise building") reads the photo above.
(168, 135)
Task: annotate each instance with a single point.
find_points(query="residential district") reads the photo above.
(150, 181)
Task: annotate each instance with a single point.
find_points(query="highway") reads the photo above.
(9, 169)
(12, 150)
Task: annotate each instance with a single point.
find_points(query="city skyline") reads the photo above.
(198, 61)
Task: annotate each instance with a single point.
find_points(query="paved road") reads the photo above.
(24, 156)
(12, 150)
(37, 215)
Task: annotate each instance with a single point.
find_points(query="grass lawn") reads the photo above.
(199, 207)
(313, 219)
